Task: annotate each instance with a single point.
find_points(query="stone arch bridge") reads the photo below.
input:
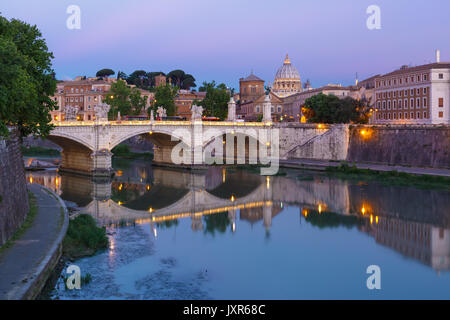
(86, 145)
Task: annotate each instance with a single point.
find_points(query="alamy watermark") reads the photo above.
(74, 20)
(258, 146)
(374, 20)
(374, 280)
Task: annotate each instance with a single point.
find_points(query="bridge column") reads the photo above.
(101, 163)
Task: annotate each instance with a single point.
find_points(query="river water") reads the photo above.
(232, 234)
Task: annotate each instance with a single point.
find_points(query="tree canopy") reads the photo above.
(164, 97)
(26, 79)
(104, 73)
(216, 100)
(123, 99)
(323, 108)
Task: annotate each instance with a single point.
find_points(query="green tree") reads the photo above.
(181, 79)
(26, 79)
(139, 78)
(104, 73)
(119, 99)
(216, 100)
(323, 108)
(137, 101)
(164, 97)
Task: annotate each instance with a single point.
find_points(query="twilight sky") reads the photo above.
(327, 40)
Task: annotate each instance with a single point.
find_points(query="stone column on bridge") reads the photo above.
(267, 109)
(101, 163)
(231, 110)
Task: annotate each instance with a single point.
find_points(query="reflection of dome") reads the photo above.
(287, 80)
(287, 71)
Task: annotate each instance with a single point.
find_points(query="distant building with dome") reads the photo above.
(287, 80)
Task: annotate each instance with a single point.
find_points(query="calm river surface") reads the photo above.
(233, 234)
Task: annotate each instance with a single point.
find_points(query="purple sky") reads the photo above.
(327, 40)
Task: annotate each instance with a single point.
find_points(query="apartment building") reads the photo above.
(414, 95)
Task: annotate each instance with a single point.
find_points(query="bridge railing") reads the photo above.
(160, 123)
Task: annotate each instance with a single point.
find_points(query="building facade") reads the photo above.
(250, 88)
(183, 102)
(85, 95)
(414, 95)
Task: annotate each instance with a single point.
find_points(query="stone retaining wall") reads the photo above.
(14, 205)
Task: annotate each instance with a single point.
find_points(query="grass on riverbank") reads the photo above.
(39, 151)
(389, 177)
(123, 151)
(83, 237)
(25, 225)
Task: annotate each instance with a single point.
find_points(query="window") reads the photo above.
(389, 104)
(441, 76)
(394, 94)
(400, 115)
(89, 98)
(384, 94)
(71, 90)
(279, 109)
(425, 90)
(395, 105)
(389, 116)
(406, 115)
(412, 92)
(412, 79)
(399, 104)
(412, 115)
(441, 102)
(76, 90)
(418, 78)
(425, 102)
(89, 107)
(425, 115)
(411, 104)
(71, 99)
(418, 103)
(389, 94)
(418, 115)
(406, 93)
(379, 105)
(441, 114)
(425, 77)
(405, 104)
(400, 81)
(384, 105)
(418, 91)
(257, 108)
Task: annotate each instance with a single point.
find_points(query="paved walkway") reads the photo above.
(22, 264)
(321, 165)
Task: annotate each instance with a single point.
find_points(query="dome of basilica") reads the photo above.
(287, 71)
(287, 80)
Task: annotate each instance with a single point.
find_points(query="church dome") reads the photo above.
(287, 71)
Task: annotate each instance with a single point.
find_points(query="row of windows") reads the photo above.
(419, 103)
(77, 90)
(258, 109)
(402, 115)
(78, 99)
(406, 115)
(411, 92)
(400, 81)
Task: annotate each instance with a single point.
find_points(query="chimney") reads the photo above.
(438, 56)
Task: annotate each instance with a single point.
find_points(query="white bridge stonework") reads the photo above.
(87, 145)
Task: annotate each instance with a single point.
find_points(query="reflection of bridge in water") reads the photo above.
(413, 222)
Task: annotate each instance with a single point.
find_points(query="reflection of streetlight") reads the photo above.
(232, 198)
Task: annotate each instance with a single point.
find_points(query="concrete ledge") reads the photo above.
(321, 165)
(32, 288)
